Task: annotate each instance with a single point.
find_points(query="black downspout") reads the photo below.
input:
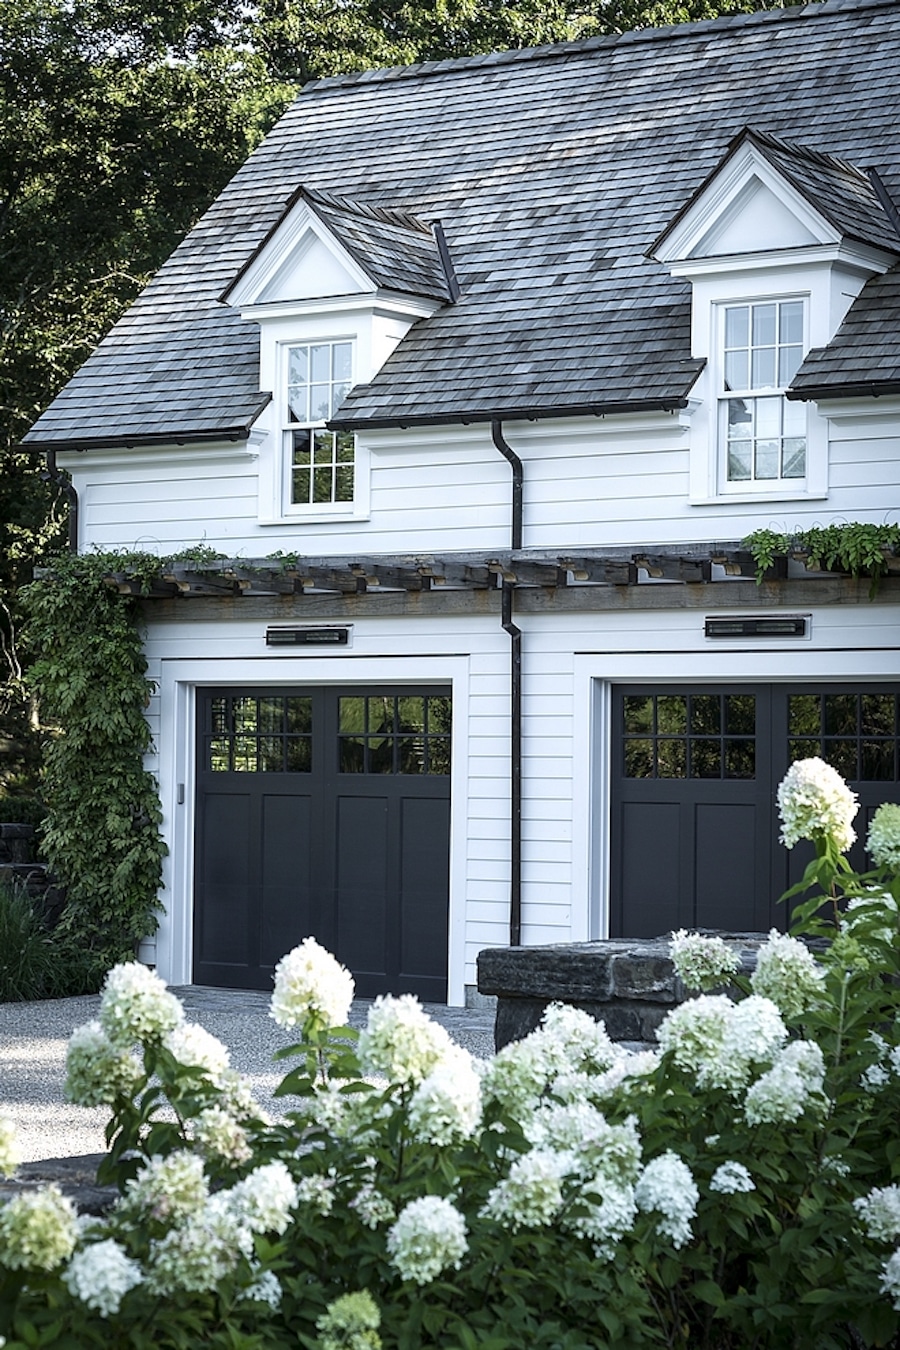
(515, 684)
(59, 478)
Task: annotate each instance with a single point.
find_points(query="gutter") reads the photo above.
(515, 694)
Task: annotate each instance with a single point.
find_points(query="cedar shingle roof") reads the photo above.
(552, 171)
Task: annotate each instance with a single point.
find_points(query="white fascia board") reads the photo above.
(887, 406)
(149, 455)
(862, 258)
(375, 301)
(722, 197)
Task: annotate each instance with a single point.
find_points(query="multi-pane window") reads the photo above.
(321, 462)
(270, 734)
(764, 434)
(689, 735)
(394, 733)
(856, 733)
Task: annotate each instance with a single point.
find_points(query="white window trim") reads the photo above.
(284, 511)
(751, 489)
(292, 510)
(708, 484)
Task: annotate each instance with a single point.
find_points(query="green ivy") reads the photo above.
(102, 836)
(861, 550)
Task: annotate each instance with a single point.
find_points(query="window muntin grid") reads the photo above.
(265, 734)
(764, 433)
(856, 733)
(689, 736)
(321, 462)
(394, 734)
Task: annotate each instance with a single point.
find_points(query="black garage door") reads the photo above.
(323, 812)
(694, 826)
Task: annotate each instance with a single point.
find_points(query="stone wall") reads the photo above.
(627, 983)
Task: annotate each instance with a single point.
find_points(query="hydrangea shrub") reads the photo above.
(737, 1186)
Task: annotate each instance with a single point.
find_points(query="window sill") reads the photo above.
(761, 495)
(315, 516)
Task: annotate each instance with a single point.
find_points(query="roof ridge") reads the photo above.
(783, 13)
(822, 157)
(385, 215)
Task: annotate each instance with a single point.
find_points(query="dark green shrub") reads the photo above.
(36, 962)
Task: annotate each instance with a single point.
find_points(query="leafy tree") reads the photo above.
(119, 122)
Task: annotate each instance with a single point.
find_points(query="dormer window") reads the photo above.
(320, 463)
(776, 244)
(334, 287)
(762, 435)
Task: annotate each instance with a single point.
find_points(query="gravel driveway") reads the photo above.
(33, 1039)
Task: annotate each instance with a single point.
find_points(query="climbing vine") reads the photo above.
(861, 550)
(102, 836)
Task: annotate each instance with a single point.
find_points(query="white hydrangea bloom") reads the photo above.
(894, 1059)
(400, 1041)
(755, 1031)
(874, 1078)
(816, 803)
(531, 1194)
(265, 1289)
(97, 1071)
(883, 839)
(806, 1059)
(236, 1097)
(702, 962)
(218, 1135)
(264, 1199)
(100, 1276)
(879, 1212)
(607, 1213)
(785, 1091)
(786, 972)
(135, 1005)
(778, 1097)
(731, 1178)
(581, 1131)
(516, 1077)
(667, 1188)
(890, 1279)
(38, 1230)
(193, 1045)
(720, 1041)
(200, 1252)
(694, 1031)
(372, 1208)
(10, 1147)
(310, 982)
(446, 1105)
(570, 1040)
(429, 1236)
(168, 1189)
(624, 1074)
(317, 1192)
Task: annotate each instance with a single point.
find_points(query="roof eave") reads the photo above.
(516, 414)
(835, 389)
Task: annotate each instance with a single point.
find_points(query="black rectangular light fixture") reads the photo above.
(307, 637)
(782, 625)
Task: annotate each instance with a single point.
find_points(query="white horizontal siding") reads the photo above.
(593, 482)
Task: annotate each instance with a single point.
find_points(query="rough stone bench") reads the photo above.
(628, 983)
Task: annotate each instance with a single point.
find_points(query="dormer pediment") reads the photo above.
(325, 247)
(300, 260)
(766, 198)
